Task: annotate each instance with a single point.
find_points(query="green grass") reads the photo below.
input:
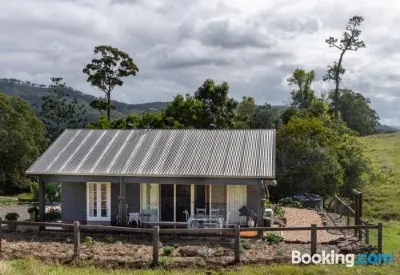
(381, 200)
(8, 200)
(33, 267)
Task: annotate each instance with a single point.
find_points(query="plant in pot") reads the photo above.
(250, 222)
(12, 217)
(33, 212)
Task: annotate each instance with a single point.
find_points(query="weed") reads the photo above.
(88, 240)
(168, 250)
(273, 238)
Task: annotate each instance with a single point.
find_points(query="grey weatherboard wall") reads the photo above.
(73, 201)
(74, 197)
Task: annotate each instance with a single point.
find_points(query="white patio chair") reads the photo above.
(226, 224)
(201, 211)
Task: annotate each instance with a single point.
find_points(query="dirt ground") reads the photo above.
(121, 254)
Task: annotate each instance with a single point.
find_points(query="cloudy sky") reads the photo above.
(177, 44)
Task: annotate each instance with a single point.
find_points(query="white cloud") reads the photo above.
(254, 45)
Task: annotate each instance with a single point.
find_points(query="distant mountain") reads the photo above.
(387, 129)
(33, 93)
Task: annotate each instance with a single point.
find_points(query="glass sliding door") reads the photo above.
(182, 195)
(150, 200)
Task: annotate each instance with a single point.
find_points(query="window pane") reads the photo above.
(104, 212)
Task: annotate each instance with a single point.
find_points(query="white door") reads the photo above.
(237, 198)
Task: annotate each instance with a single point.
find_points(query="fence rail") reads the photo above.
(156, 231)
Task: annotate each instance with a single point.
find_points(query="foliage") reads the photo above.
(204, 252)
(350, 41)
(110, 239)
(165, 262)
(168, 250)
(245, 244)
(218, 108)
(276, 208)
(273, 238)
(12, 216)
(58, 112)
(303, 96)
(25, 196)
(356, 112)
(52, 191)
(264, 117)
(289, 202)
(184, 112)
(245, 113)
(88, 240)
(107, 72)
(52, 214)
(307, 158)
(22, 140)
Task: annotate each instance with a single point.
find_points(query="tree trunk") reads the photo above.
(109, 105)
(337, 84)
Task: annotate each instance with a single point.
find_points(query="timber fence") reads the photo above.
(76, 230)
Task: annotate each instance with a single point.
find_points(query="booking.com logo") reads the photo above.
(336, 258)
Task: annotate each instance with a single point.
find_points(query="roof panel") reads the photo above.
(161, 153)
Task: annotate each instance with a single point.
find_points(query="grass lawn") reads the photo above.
(33, 267)
(382, 199)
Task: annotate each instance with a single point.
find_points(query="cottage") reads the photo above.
(158, 176)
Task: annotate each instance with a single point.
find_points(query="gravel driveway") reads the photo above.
(305, 217)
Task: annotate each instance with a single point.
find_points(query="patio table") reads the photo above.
(201, 220)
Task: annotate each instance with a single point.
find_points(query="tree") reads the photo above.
(307, 160)
(184, 112)
(218, 108)
(303, 95)
(355, 111)
(58, 112)
(22, 139)
(265, 117)
(245, 113)
(107, 72)
(350, 41)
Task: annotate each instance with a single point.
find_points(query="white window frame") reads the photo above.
(98, 203)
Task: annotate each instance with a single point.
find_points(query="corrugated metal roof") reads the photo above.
(160, 153)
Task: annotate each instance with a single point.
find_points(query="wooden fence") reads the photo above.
(232, 232)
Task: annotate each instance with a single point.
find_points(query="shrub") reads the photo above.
(88, 240)
(52, 214)
(289, 202)
(164, 262)
(168, 250)
(276, 208)
(245, 244)
(110, 239)
(204, 252)
(12, 216)
(273, 238)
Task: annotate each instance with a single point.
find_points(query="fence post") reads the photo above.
(156, 241)
(77, 239)
(237, 243)
(356, 220)
(380, 238)
(366, 236)
(313, 239)
(1, 233)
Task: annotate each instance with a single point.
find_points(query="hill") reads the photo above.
(382, 199)
(33, 93)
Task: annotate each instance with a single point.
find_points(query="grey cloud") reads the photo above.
(296, 26)
(228, 35)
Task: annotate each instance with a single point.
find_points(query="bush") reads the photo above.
(289, 202)
(276, 208)
(33, 209)
(110, 239)
(12, 216)
(164, 262)
(168, 250)
(26, 196)
(273, 238)
(52, 214)
(52, 191)
(88, 240)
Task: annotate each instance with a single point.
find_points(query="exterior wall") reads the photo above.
(73, 201)
(132, 193)
(252, 198)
